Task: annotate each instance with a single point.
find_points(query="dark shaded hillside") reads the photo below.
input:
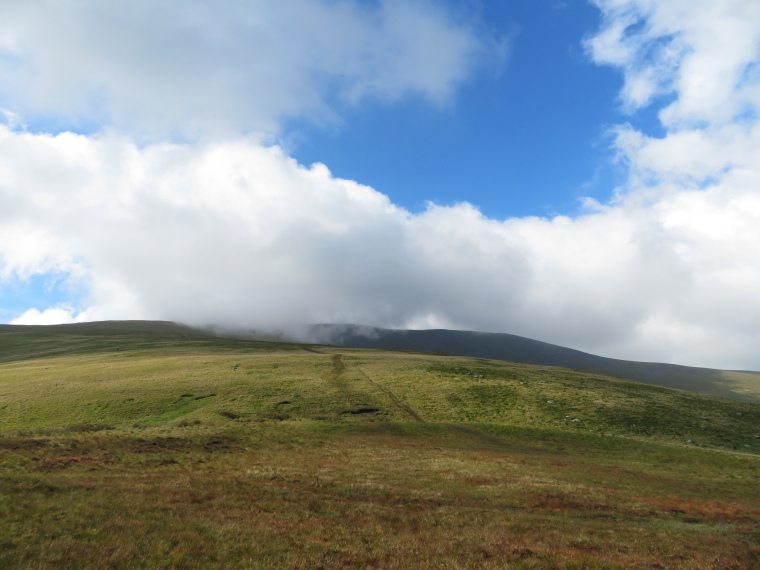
(109, 327)
(512, 348)
(19, 342)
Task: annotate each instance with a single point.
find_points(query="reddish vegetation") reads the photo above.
(557, 502)
(711, 510)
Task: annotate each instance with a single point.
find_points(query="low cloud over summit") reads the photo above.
(178, 206)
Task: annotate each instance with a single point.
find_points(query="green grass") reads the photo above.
(190, 451)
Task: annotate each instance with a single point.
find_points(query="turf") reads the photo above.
(153, 446)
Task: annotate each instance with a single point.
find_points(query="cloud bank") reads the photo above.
(196, 68)
(228, 231)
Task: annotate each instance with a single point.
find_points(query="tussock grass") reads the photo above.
(202, 452)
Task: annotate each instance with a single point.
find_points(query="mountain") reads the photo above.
(18, 340)
(741, 385)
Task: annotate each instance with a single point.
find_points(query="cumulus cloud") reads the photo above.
(237, 233)
(198, 68)
(230, 231)
(706, 53)
(62, 314)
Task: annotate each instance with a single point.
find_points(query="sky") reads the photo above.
(586, 173)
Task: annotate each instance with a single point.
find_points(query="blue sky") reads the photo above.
(19, 295)
(583, 173)
(526, 137)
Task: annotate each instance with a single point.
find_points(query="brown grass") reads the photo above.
(705, 509)
(366, 499)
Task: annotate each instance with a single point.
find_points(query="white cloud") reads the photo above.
(230, 231)
(699, 183)
(198, 68)
(239, 234)
(59, 315)
(706, 52)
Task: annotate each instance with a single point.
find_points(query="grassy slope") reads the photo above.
(742, 386)
(153, 446)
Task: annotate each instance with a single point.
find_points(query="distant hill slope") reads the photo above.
(18, 342)
(134, 375)
(499, 346)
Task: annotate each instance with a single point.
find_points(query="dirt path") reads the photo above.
(480, 436)
(393, 398)
(336, 376)
(337, 362)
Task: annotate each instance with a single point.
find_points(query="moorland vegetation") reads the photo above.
(152, 445)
